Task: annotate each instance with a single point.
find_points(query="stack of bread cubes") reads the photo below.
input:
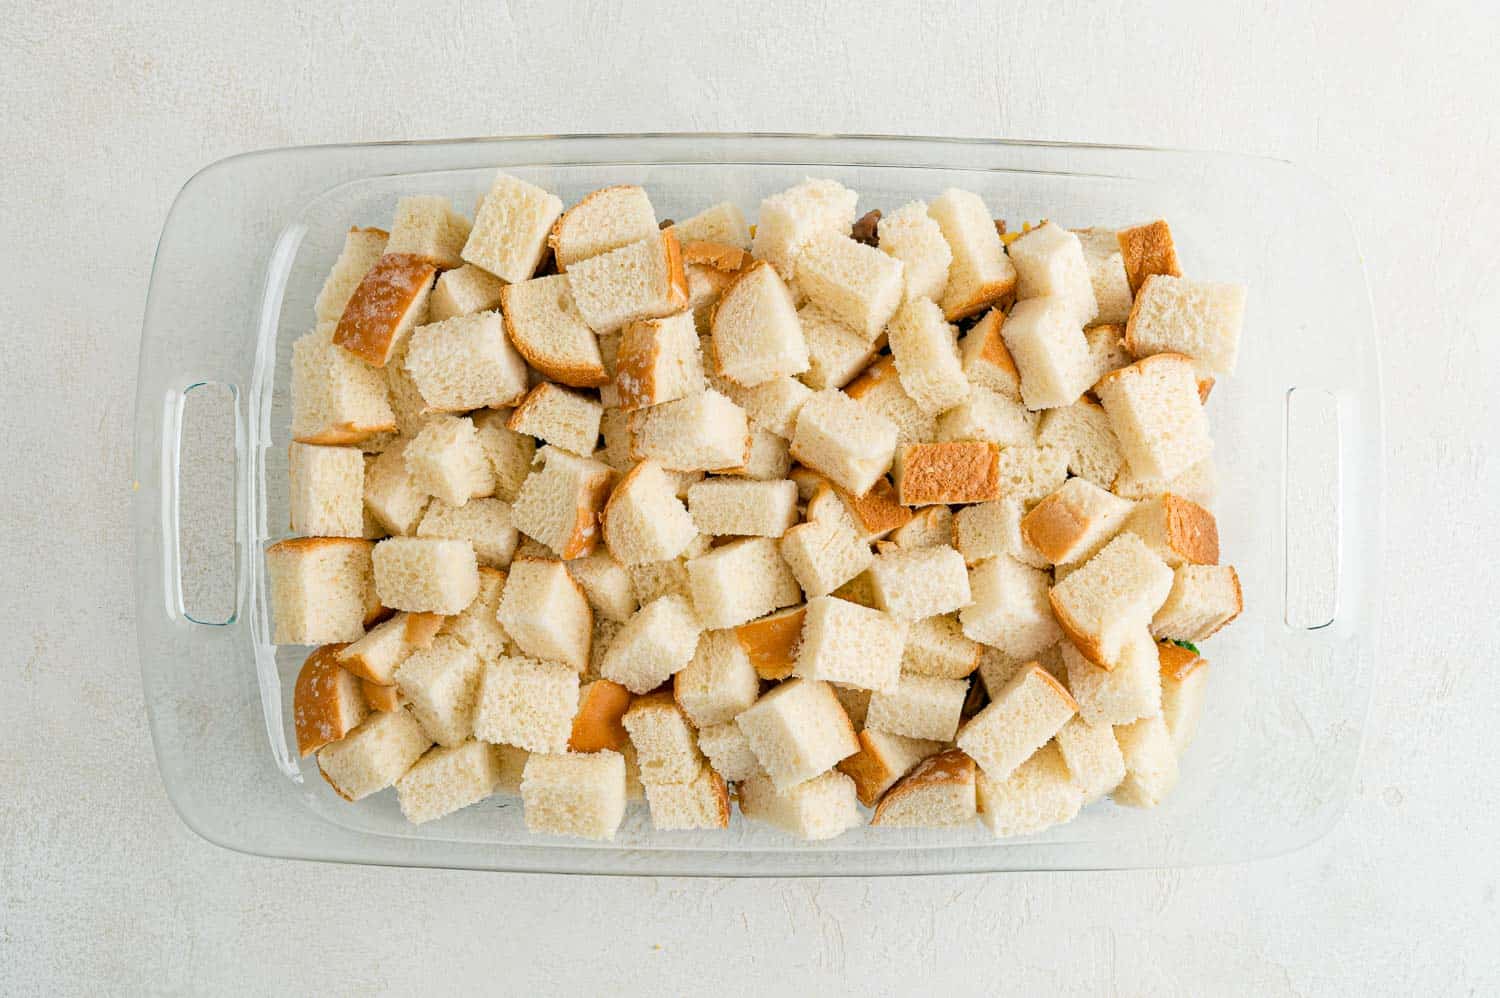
(905, 513)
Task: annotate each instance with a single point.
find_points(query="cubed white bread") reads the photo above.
(879, 391)
(642, 280)
(614, 427)
(1200, 319)
(703, 432)
(736, 507)
(740, 581)
(388, 302)
(954, 471)
(327, 701)
(1010, 608)
(425, 225)
(379, 697)
(851, 645)
(771, 406)
(658, 640)
(912, 236)
(606, 583)
(913, 583)
(322, 590)
(710, 268)
(336, 397)
(576, 794)
(718, 682)
(465, 363)
(768, 459)
(325, 490)
(1112, 597)
(808, 481)
(510, 228)
(1202, 600)
(986, 359)
(925, 349)
(939, 792)
(937, 646)
(447, 780)
(997, 667)
(658, 361)
(362, 247)
(464, 291)
(728, 751)
(857, 283)
(1157, 415)
(510, 453)
(1107, 349)
(1092, 756)
(644, 521)
(599, 723)
(928, 526)
(849, 444)
(718, 223)
(789, 219)
(1074, 522)
(1146, 250)
(1038, 794)
(836, 353)
(559, 416)
(663, 578)
(1150, 762)
(1021, 718)
(702, 802)
(603, 636)
(1106, 264)
(425, 574)
(1179, 530)
(1050, 352)
(484, 523)
(919, 707)
(797, 731)
(559, 504)
(1184, 686)
(825, 554)
(1031, 473)
(882, 759)
(441, 684)
(526, 703)
(665, 745)
(606, 219)
(406, 399)
(478, 626)
(546, 613)
(376, 655)
(991, 529)
(447, 461)
(989, 416)
(1198, 483)
(771, 642)
(980, 274)
(824, 807)
(1050, 262)
(374, 755)
(875, 515)
(1083, 430)
(1131, 690)
(757, 335)
(544, 323)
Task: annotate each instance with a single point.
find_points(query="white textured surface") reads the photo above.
(109, 108)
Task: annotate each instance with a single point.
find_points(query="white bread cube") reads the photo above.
(559, 505)
(740, 581)
(926, 350)
(913, 583)
(928, 526)
(851, 445)
(336, 397)
(1131, 690)
(1150, 763)
(478, 626)
(1031, 473)
(1184, 685)
(327, 701)
(543, 321)
(599, 723)
(1112, 597)
(938, 793)
(768, 460)
(441, 683)
(582, 795)
(937, 646)
(981, 274)
(322, 590)
(719, 223)
(606, 219)
(1050, 262)
(1179, 530)
(919, 707)
(1050, 352)
(484, 523)
(374, 755)
(375, 656)
(663, 578)
(448, 779)
(882, 759)
(1203, 599)
(388, 302)
(1157, 415)
(851, 645)
(606, 583)
(771, 406)
(1021, 718)
(771, 642)
(658, 640)
(1107, 349)
(325, 490)
(824, 807)
(446, 460)
(836, 353)
(546, 614)
(1146, 250)
(702, 802)
(703, 432)
(1010, 609)
(526, 703)
(756, 333)
(1084, 431)
(912, 236)
(710, 269)
(465, 363)
(362, 247)
(665, 745)
(788, 220)
(989, 416)
(722, 507)
(1197, 483)
(561, 417)
(857, 283)
(510, 229)
(1038, 794)
(876, 514)
(426, 226)
(603, 636)
(991, 529)
(718, 682)
(986, 359)
(879, 391)
(1106, 263)
(510, 453)
(658, 361)
(825, 554)
(955, 471)
(614, 427)
(1074, 522)
(1199, 319)
(464, 291)
(728, 751)
(1092, 756)
(798, 730)
(410, 408)
(425, 574)
(644, 521)
(642, 280)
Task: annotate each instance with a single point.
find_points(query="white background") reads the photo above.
(106, 109)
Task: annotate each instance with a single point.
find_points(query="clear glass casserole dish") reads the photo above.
(1298, 447)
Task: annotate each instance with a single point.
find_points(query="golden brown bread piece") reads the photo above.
(384, 306)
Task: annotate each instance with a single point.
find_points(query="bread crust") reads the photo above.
(381, 698)
(1052, 527)
(1239, 605)
(869, 770)
(995, 293)
(1051, 681)
(1176, 662)
(555, 234)
(771, 642)
(1147, 250)
(1191, 530)
(954, 471)
(720, 256)
(872, 376)
(598, 723)
(344, 434)
(878, 511)
(948, 768)
(559, 369)
(381, 305)
(677, 288)
(317, 708)
(992, 348)
(1087, 646)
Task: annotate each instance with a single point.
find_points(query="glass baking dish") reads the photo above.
(1297, 430)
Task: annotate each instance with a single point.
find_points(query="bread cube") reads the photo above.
(543, 321)
(1050, 262)
(718, 682)
(546, 614)
(379, 697)
(912, 236)
(718, 223)
(797, 731)
(768, 459)
(559, 505)
(1083, 430)
(322, 590)
(788, 220)
(1038, 794)
(857, 283)
(641, 280)
(1146, 250)
(1202, 600)
(606, 583)
(410, 408)
(772, 406)
(980, 274)
(928, 526)
(1031, 473)
(582, 795)
(877, 513)
(1184, 684)
(823, 807)
(325, 490)
(336, 397)
(657, 641)
(771, 643)
(728, 751)
(989, 416)
(604, 220)
(1198, 483)
(1107, 349)
(362, 247)
(1154, 408)
(425, 574)
(919, 707)
(882, 759)
(1010, 609)
(526, 703)
(986, 359)
(1021, 718)
(938, 793)
(663, 578)
(441, 684)
(926, 353)
(658, 361)
(702, 802)
(510, 229)
(1074, 522)
(327, 702)
(937, 646)
(391, 299)
(448, 779)
(1150, 763)
(851, 645)
(375, 656)
(426, 226)
(1092, 756)
(1106, 267)
(464, 291)
(1050, 352)
(958, 471)
(1112, 597)
(703, 432)
(913, 583)
(665, 744)
(757, 335)
(465, 362)
(446, 460)
(1179, 530)
(850, 445)
(599, 723)
(374, 755)
(566, 419)
(509, 453)
(824, 554)
(478, 626)
(836, 353)
(1131, 690)
(644, 521)
(484, 523)
(740, 581)
(722, 507)
(991, 529)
